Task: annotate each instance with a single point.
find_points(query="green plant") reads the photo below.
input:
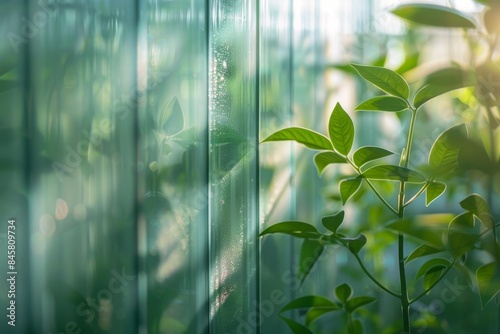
(446, 234)
(455, 238)
(481, 75)
(318, 306)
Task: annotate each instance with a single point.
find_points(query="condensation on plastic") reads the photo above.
(233, 145)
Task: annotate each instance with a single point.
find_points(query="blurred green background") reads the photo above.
(130, 160)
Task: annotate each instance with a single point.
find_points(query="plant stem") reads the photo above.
(374, 279)
(409, 141)
(350, 324)
(427, 184)
(493, 152)
(487, 230)
(405, 305)
(381, 197)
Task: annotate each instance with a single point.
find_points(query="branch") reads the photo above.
(379, 195)
(427, 184)
(373, 278)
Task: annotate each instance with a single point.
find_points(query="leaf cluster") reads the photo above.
(452, 235)
(318, 306)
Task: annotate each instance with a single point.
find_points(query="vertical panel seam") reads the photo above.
(257, 166)
(208, 267)
(137, 142)
(29, 121)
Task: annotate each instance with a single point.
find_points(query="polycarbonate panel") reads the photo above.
(276, 196)
(233, 182)
(173, 165)
(14, 169)
(82, 166)
(309, 112)
(133, 167)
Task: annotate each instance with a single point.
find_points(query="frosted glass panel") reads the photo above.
(277, 200)
(172, 164)
(82, 211)
(233, 181)
(14, 168)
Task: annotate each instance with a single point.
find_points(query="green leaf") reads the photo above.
(461, 236)
(309, 138)
(171, 120)
(349, 187)
(341, 130)
(356, 327)
(393, 173)
(6, 85)
(433, 191)
(441, 82)
(453, 75)
(295, 327)
(422, 250)
(11, 62)
(432, 265)
(383, 103)
(460, 243)
(465, 272)
(432, 276)
(316, 312)
(380, 61)
(355, 244)
(343, 292)
(410, 62)
(475, 204)
(427, 93)
(384, 79)
(356, 302)
(434, 15)
(307, 302)
(462, 221)
(310, 253)
(487, 90)
(317, 305)
(488, 282)
(333, 222)
(428, 228)
(323, 159)
(366, 154)
(293, 228)
(224, 135)
(346, 68)
(479, 208)
(443, 157)
(473, 157)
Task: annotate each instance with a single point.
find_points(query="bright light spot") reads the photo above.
(61, 209)
(153, 166)
(47, 225)
(80, 212)
(105, 313)
(467, 6)
(390, 125)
